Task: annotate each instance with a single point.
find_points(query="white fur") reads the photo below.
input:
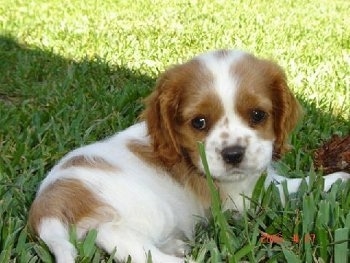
(258, 152)
(154, 210)
(55, 235)
(154, 213)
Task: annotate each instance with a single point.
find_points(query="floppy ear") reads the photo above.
(286, 110)
(160, 115)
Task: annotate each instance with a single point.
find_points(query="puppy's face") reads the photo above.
(239, 106)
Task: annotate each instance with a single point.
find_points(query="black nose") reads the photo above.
(233, 154)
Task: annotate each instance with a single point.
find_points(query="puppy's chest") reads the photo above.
(233, 193)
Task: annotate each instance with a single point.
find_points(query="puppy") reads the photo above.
(144, 188)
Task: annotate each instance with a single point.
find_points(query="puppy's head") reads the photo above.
(239, 106)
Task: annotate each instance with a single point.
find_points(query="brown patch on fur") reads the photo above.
(191, 179)
(263, 86)
(69, 201)
(208, 106)
(94, 162)
(185, 174)
(144, 152)
(181, 94)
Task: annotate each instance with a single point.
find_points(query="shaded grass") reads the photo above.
(73, 72)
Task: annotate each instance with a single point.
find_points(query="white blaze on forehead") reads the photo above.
(219, 64)
(232, 129)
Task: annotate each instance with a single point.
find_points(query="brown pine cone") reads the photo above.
(333, 155)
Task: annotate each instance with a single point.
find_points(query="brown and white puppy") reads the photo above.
(144, 188)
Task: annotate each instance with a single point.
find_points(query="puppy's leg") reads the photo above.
(175, 247)
(293, 184)
(126, 241)
(55, 234)
(330, 179)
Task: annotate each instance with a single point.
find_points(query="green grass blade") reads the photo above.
(258, 191)
(243, 252)
(341, 246)
(216, 206)
(290, 256)
(43, 254)
(216, 202)
(89, 243)
(323, 242)
(347, 220)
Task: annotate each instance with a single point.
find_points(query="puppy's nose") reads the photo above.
(233, 154)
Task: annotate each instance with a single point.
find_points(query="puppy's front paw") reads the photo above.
(176, 247)
(330, 179)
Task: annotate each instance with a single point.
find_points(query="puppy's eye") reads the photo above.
(257, 116)
(199, 123)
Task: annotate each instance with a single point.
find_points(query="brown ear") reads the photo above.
(160, 115)
(286, 110)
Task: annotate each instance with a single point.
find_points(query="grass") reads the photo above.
(73, 72)
(312, 226)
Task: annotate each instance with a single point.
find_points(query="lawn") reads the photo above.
(72, 72)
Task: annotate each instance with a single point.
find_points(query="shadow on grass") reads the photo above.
(50, 105)
(46, 99)
(50, 81)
